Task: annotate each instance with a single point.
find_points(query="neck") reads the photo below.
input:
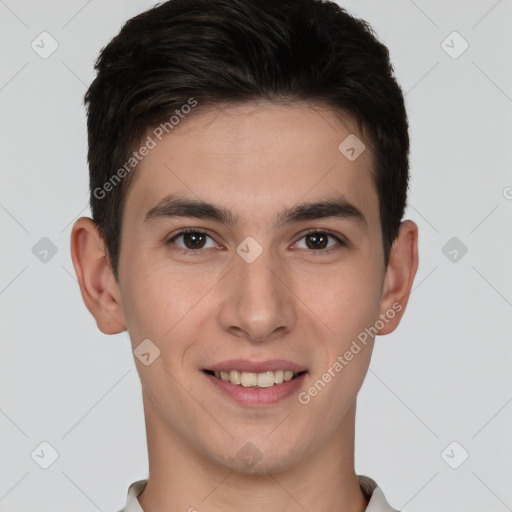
(182, 478)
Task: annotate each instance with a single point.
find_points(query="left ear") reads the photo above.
(402, 266)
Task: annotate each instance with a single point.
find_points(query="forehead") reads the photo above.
(256, 157)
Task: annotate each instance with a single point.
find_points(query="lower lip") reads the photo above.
(257, 396)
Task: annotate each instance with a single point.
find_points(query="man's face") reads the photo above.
(258, 290)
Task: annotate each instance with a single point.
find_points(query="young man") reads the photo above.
(248, 172)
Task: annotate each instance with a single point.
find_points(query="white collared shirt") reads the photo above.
(377, 503)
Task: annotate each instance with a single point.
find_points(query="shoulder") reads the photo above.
(377, 501)
(135, 489)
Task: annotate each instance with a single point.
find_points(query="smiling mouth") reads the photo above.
(256, 380)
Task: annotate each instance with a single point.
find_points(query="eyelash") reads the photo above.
(341, 243)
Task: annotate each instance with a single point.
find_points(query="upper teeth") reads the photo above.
(251, 379)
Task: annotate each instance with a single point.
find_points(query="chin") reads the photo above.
(253, 458)
(266, 464)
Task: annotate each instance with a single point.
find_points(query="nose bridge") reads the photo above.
(258, 277)
(258, 303)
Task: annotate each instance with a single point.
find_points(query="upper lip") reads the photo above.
(245, 365)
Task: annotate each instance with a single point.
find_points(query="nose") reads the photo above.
(258, 302)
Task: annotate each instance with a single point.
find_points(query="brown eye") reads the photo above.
(193, 239)
(319, 240)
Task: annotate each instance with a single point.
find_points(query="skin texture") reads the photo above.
(294, 302)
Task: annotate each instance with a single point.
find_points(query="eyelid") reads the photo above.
(342, 241)
(169, 239)
(333, 234)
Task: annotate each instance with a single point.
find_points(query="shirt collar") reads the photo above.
(371, 490)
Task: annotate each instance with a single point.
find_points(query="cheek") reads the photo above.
(146, 303)
(160, 304)
(348, 300)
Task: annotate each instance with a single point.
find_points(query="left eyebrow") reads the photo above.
(176, 206)
(337, 207)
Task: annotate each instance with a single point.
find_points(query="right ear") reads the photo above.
(98, 286)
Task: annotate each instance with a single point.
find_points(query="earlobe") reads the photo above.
(98, 287)
(400, 273)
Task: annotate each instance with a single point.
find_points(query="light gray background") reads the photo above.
(443, 376)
